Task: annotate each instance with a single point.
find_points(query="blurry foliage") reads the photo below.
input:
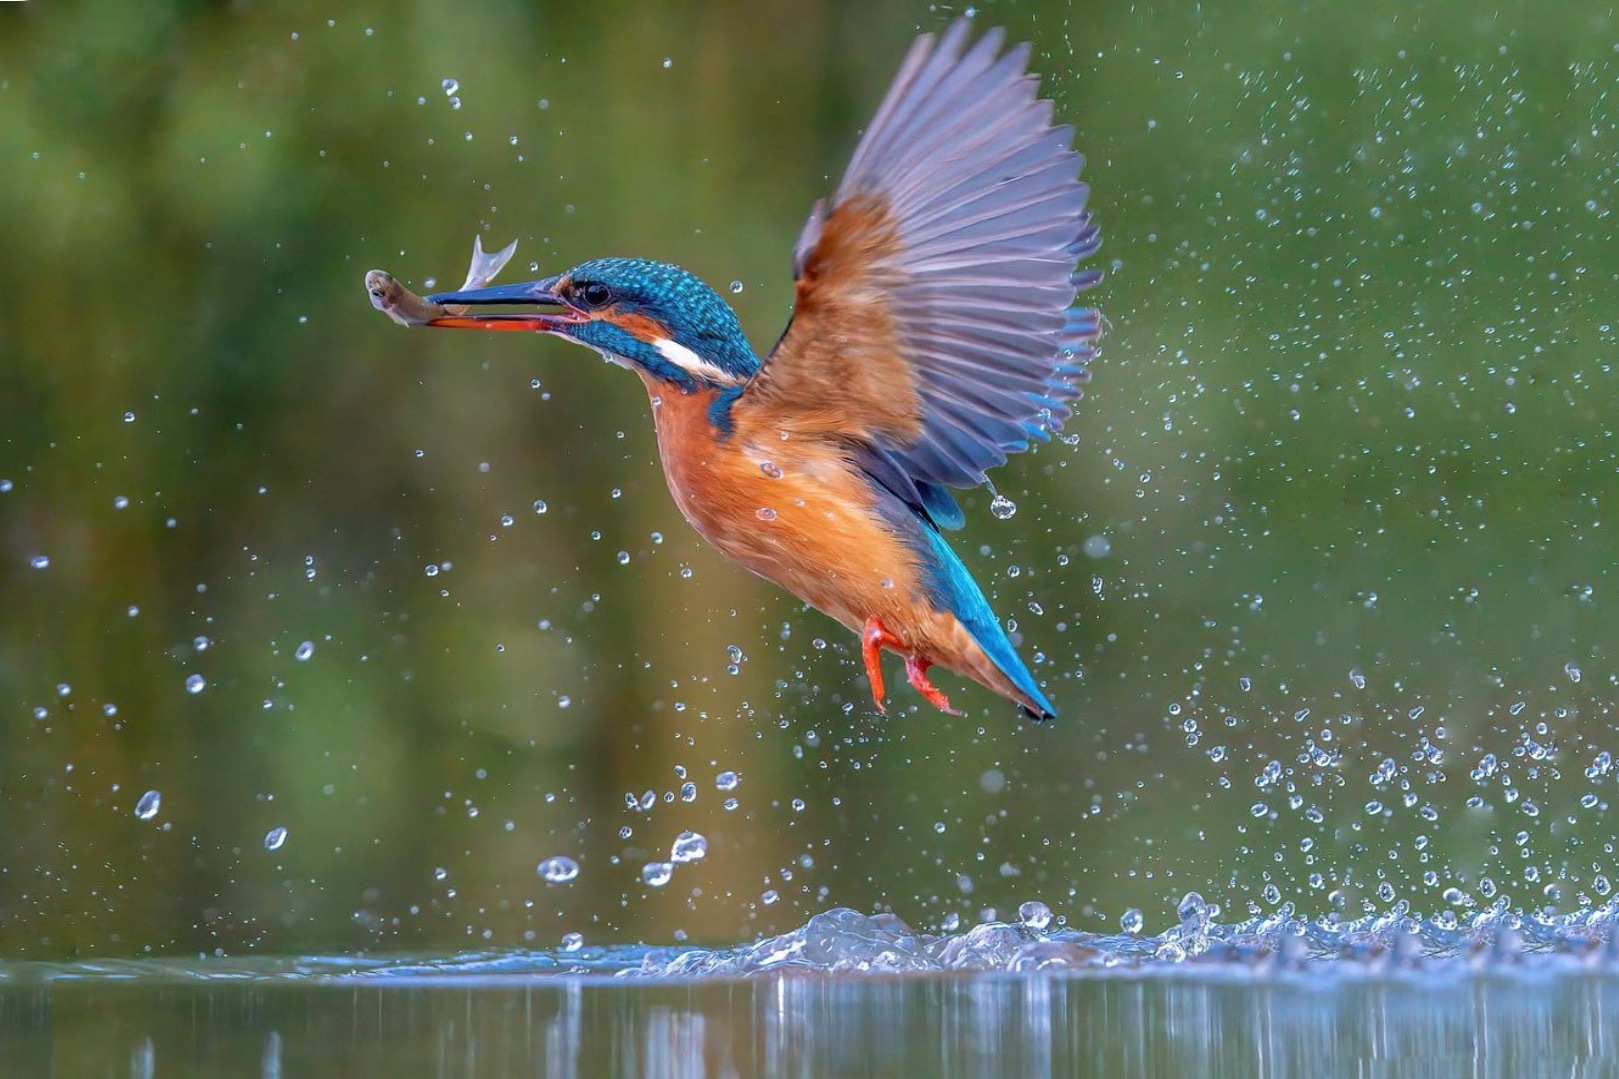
(1350, 448)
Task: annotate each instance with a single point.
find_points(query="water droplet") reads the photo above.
(274, 838)
(149, 804)
(727, 781)
(668, 62)
(657, 874)
(40, 561)
(540, 506)
(765, 513)
(1132, 921)
(304, 651)
(120, 502)
(769, 898)
(441, 874)
(769, 468)
(1097, 547)
(1569, 669)
(688, 792)
(1002, 507)
(689, 847)
(451, 86)
(558, 869)
(737, 286)
(1034, 914)
(195, 683)
(572, 942)
(1357, 679)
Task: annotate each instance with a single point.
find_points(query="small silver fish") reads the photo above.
(408, 309)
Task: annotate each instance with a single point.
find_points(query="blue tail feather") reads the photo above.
(955, 590)
(949, 585)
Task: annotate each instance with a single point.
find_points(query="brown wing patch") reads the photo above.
(841, 368)
(936, 285)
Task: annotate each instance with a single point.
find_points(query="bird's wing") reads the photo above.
(933, 320)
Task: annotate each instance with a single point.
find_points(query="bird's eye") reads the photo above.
(596, 294)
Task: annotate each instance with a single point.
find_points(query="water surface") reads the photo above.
(848, 994)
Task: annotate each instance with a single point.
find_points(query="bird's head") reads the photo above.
(647, 315)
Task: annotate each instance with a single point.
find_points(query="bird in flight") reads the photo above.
(933, 333)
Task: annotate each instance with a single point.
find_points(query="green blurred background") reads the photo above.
(1323, 594)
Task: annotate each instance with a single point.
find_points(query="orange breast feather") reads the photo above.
(797, 512)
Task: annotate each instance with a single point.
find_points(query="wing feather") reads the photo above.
(933, 322)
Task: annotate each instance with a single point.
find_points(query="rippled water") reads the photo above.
(1495, 942)
(1492, 994)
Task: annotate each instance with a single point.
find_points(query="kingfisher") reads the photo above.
(934, 332)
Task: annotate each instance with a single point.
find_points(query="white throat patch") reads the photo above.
(691, 363)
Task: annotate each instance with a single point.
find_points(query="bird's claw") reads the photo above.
(916, 670)
(873, 639)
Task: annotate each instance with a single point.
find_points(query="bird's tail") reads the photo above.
(959, 593)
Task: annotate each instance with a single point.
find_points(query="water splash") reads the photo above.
(1495, 943)
(843, 941)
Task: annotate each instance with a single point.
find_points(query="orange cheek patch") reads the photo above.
(642, 327)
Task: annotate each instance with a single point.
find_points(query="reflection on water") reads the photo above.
(988, 1025)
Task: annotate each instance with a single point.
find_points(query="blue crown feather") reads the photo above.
(697, 317)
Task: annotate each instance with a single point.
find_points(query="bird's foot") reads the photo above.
(916, 669)
(872, 641)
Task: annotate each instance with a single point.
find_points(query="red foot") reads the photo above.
(872, 641)
(916, 669)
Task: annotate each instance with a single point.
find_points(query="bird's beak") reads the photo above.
(535, 293)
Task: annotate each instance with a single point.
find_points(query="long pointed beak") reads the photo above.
(528, 292)
(539, 293)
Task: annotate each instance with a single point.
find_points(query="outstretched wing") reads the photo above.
(933, 319)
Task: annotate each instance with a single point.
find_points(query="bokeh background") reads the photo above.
(1324, 591)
